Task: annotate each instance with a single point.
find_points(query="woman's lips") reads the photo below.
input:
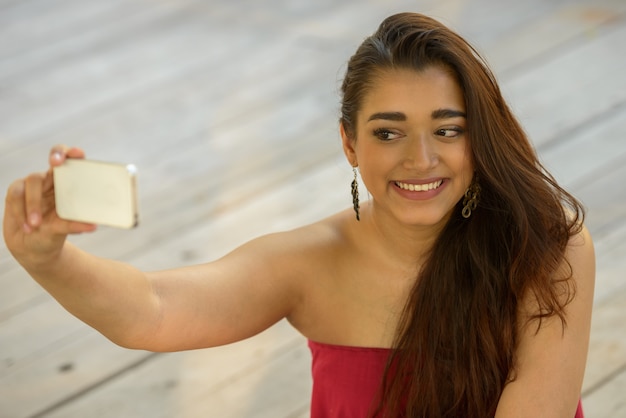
(423, 190)
(423, 187)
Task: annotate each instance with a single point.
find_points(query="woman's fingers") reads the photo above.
(16, 205)
(28, 243)
(72, 227)
(32, 229)
(31, 200)
(33, 188)
(75, 153)
(59, 153)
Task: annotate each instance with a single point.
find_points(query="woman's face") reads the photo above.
(411, 145)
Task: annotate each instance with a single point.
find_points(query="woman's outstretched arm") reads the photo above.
(198, 306)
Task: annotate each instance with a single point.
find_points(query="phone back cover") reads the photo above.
(96, 192)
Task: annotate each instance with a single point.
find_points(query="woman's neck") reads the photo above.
(402, 243)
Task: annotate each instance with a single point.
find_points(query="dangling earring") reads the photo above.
(472, 196)
(355, 194)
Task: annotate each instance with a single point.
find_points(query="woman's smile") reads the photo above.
(419, 190)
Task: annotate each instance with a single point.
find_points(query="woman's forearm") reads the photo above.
(112, 297)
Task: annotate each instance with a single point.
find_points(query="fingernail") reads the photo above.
(56, 156)
(33, 219)
(27, 228)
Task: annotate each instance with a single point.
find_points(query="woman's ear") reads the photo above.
(348, 146)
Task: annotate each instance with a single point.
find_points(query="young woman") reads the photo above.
(462, 288)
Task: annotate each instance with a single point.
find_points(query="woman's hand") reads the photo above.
(32, 230)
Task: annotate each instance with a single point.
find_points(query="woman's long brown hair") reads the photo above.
(457, 337)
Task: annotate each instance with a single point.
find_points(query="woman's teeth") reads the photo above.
(419, 187)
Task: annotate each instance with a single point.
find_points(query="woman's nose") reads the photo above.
(420, 154)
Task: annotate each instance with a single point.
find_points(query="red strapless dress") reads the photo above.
(346, 379)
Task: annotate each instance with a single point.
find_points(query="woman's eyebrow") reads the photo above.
(401, 117)
(447, 114)
(395, 116)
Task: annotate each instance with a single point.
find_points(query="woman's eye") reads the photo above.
(385, 134)
(449, 132)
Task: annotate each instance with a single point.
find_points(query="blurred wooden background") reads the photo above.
(229, 109)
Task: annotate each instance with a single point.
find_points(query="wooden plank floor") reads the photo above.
(229, 109)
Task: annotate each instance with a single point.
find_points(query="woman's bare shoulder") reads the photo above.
(312, 240)
(551, 359)
(580, 254)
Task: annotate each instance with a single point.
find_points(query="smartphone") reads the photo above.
(97, 192)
